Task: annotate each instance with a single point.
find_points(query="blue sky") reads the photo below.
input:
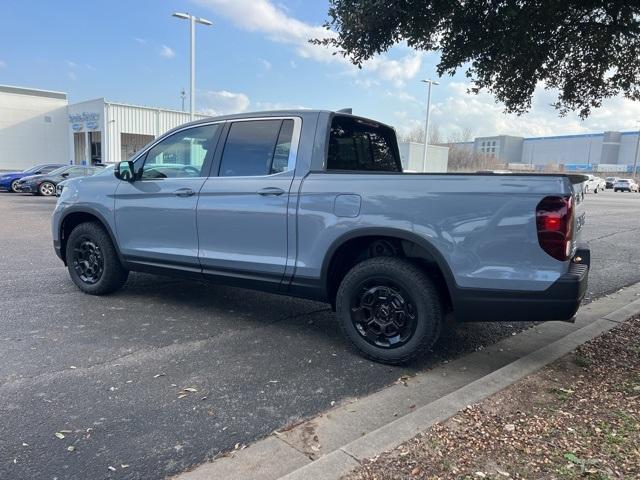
(255, 57)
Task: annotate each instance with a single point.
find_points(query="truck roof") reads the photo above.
(283, 113)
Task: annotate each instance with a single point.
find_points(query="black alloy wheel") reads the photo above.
(383, 313)
(88, 261)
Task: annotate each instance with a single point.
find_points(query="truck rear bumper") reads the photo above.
(559, 302)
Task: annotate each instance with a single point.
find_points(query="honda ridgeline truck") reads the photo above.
(315, 204)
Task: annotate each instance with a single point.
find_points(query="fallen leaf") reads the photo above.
(416, 471)
(182, 395)
(159, 375)
(124, 465)
(113, 469)
(190, 389)
(71, 448)
(59, 435)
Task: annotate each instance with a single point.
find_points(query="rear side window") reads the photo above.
(257, 147)
(356, 144)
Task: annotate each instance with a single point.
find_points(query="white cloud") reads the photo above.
(293, 64)
(484, 116)
(262, 16)
(2, 64)
(71, 64)
(265, 63)
(402, 96)
(222, 102)
(140, 41)
(167, 52)
(72, 76)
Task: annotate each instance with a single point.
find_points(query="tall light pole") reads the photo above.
(635, 157)
(183, 95)
(192, 32)
(426, 123)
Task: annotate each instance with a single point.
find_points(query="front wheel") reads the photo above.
(389, 309)
(47, 189)
(14, 186)
(92, 260)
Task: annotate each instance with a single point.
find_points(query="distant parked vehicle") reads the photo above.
(610, 181)
(625, 185)
(594, 184)
(9, 180)
(45, 184)
(61, 186)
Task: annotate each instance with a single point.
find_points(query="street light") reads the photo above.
(192, 31)
(426, 124)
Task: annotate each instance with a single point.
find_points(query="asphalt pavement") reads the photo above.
(109, 373)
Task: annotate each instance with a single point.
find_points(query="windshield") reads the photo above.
(57, 171)
(33, 169)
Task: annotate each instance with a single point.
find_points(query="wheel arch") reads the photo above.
(75, 217)
(410, 245)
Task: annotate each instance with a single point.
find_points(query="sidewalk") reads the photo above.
(576, 418)
(338, 441)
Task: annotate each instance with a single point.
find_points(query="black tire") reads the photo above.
(425, 316)
(13, 188)
(47, 189)
(98, 275)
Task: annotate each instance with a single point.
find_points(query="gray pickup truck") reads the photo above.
(315, 204)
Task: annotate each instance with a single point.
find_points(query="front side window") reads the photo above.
(181, 155)
(257, 147)
(359, 145)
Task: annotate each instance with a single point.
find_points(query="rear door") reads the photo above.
(242, 211)
(156, 214)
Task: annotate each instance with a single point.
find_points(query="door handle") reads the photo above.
(184, 192)
(270, 191)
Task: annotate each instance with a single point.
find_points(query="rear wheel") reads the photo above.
(92, 260)
(47, 189)
(389, 309)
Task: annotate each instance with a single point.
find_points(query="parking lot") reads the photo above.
(109, 373)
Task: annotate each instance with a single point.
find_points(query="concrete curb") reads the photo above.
(351, 433)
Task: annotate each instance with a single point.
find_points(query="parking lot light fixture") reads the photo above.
(192, 34)
(426, 123)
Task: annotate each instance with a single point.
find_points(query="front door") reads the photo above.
(243, 212)
(156, 214)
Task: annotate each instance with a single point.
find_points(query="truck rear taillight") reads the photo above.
(554, 221)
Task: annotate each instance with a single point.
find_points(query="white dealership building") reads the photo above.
(41, 126)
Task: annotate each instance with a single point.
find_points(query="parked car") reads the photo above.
(594, 184)
(45, 184)
(610, 181)
(9, 180)
(108, 169)
(315, 204)
(625, 185)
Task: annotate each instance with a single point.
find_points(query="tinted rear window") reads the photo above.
(356, 144)
(257, 147)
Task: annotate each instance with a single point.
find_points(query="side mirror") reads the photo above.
(125, 171)
(65, 175)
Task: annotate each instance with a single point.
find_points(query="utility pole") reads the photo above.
(430, 83)
(192, 34)
(183, 95)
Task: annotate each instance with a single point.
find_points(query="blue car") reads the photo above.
(9, 180)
